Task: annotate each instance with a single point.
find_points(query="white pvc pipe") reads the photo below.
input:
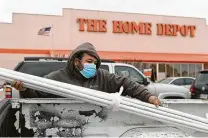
(68, 93)
(155, 110)
(59, 84)
(85, 100)
(144, 113)
(101, 100)
(105, 96)
(45, 89)
(134, 103)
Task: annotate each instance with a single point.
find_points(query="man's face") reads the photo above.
(85, 59)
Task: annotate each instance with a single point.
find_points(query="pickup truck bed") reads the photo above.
(67, 117)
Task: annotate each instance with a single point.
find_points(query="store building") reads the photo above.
(172, 46)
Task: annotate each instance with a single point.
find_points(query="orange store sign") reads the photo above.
(142, 28)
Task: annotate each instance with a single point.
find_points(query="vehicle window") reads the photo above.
(165, 81)
(129, 73)
(40, 68)
(105, 67)
(178, 82)
(202, 78)
(188, 81)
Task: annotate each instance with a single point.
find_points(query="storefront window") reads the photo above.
(191, 70)
(197, 69)
(146, 65)
(184, 70)
(138, 65)
(161, 67)
(169, 69)
(177, 70)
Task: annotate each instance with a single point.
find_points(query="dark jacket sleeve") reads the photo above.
(131, 88)
(31, 93)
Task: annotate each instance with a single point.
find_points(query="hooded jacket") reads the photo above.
(102, 81)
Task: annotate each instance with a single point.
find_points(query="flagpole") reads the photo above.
(52, 41)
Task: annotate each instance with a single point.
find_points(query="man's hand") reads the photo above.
(154, 100)
(18, 85)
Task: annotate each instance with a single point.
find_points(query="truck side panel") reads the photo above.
(66, 118)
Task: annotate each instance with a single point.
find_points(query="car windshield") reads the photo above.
(165, 81)
(40, 68)
(202, 78)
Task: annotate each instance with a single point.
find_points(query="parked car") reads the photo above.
(199, 88)
(180, 81)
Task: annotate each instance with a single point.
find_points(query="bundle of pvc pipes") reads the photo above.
(107, 100)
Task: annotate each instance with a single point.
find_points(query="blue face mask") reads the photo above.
(89, 70)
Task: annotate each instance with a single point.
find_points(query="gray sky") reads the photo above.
(187, 8)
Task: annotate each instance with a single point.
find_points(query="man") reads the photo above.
(83, 70)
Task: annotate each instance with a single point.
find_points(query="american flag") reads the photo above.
(45, 31)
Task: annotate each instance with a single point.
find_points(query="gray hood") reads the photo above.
(87, 48)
